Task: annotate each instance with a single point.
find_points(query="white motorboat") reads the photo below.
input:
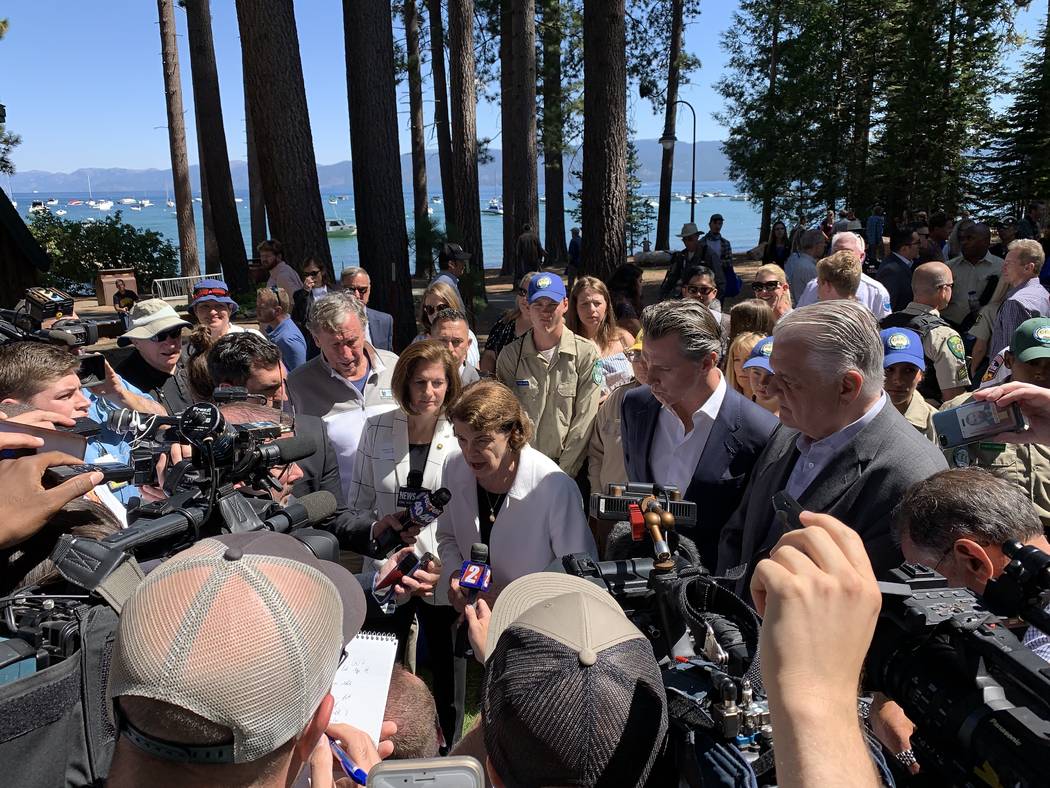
(136, 207)
(61, 212)
(436, 200)
(495, 206)
(128, 201)
(145, 203)
(238, 199)
(333, 200)
(337, 228)
(197, 199)
(52, 201)
(170, 203)
(738, 198)
(103, 205)
(37, 206)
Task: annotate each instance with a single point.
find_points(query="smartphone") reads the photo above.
(406, 566)
(111, 472)
(974, 421)
(787, 511)
(460, 771)
(54, 440)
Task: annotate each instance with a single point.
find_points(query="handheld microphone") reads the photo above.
(475, 576)
(425, 510)
(309, 509)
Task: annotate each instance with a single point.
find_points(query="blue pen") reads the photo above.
(359, 776)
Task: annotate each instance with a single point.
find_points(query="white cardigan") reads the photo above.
(381, 465)
(540, 521)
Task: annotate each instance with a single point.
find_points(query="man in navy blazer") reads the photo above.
(896, 268)
(687, 427)
(380, 324)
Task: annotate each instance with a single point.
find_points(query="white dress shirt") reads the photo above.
(675, 453)
(870, 292)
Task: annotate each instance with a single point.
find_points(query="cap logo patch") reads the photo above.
(543, 282)
(767, 350)
(898, 341)
(1042, 335)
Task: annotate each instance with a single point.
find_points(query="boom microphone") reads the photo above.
(312, 508)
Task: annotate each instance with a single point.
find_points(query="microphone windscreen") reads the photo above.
(297, 447)
(479, 553)
(319, 505)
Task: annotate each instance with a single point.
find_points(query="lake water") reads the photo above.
(741, 218)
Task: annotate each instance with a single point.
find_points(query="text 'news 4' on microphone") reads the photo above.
(424, 510)
(475, 577)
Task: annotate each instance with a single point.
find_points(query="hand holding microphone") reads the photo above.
(394, 530)
(474, 578)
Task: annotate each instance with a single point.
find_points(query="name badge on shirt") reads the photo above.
(521, 383)
(386, 452)
(386, 393)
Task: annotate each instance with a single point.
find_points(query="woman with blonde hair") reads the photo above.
(739, 350)
(436, 297)
(505, 494)
(512, 325)
(771, 286)
(590, 316)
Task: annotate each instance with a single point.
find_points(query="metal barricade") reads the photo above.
(178, 290)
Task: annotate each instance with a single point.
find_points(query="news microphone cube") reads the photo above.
(475, 576)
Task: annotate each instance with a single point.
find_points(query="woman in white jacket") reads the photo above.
(415, 437)
(505, 494)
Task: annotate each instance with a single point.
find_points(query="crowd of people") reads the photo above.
(822, 384)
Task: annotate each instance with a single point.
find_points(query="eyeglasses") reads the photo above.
(768, 287)
(633, 355)
(946, 284)
(312, 273)
(432, 309)
(693, 290)
(164, 336)
(359, 290)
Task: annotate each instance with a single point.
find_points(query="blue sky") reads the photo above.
(83, 84)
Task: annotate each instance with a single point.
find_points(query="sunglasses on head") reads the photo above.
(523, 291)
(768, 287)
(432, 309)
(694, 290)
(164, 336)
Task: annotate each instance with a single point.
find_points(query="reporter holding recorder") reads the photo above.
(504, 494)
(415, 439)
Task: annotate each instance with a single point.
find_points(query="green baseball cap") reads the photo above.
(1031, 340)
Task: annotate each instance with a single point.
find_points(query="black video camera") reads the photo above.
(979, 698)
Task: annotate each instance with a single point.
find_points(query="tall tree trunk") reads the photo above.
(604, 196)
(256, 197)
(465, 147)
(506, 112)
(663, 211)
(553, 134)
(420, 218)
(216, 183)
(378, 200)
(211, 245)
(273, 82)
(523, 73)
(180, 167)
(444, 138)
(771, 102)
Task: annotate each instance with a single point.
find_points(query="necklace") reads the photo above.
(493, 507)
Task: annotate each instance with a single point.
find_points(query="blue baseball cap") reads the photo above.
(902, 346)
(759, 356)
(213, 290)
(544, 285)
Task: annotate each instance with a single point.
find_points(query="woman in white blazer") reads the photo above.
(415, 437)
(506, 494)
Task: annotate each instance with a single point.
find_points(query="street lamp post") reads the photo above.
(668, 143)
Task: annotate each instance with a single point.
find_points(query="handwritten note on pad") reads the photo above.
(362, 682)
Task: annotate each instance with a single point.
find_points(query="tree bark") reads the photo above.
(273, 82)
(216, 182)
(211, 245)
(663, 211)
(420, 218)
(382, 239)
(506, 111)
(441, 124)
(256, 197)
(771, 103)
(465, 148)
(604, 198)
(180, 168)
(523, 73)
(553, 134)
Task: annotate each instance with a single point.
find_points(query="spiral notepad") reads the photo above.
(362, 682)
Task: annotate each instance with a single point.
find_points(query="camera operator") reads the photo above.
(956, 522)
(250, 361)
(223, 664)
(45, 377)
(156, 364)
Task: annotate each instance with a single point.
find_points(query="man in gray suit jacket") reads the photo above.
(380, 329)
(842, 448)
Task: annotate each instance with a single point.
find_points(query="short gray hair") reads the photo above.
(964, 503)
(810, 239)
(848, 241)
(353, 272)
(839, 336)
(330, 312)
(699, 334)
(1030, 250)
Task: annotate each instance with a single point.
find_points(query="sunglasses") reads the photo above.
(432, 309)
(311, 273)
(768, 287)
(359, 290)
(164, 336)
(694, 290)
(523, 291)
(212, 291)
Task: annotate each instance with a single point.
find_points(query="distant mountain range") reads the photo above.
(338, 177)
